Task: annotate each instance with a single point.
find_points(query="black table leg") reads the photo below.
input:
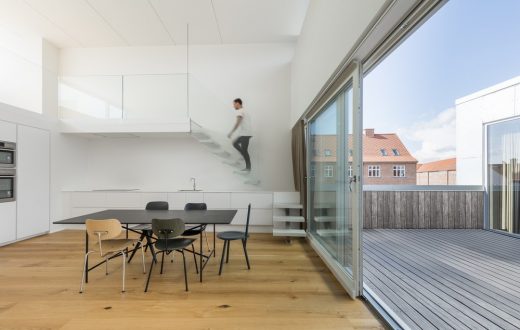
(86, 262)
(214, 249)
(137, 246)
(201, 252)
(150, 244)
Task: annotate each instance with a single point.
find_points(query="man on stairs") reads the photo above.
(243, 126)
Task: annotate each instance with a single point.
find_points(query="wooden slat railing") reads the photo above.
(423, 209)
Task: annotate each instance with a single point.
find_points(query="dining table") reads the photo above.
(129, 218)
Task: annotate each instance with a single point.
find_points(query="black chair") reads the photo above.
(228, 236)
(168, 232)
(196, 230)
(146, 229)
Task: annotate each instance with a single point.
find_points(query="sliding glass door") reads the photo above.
(333, 184)
(503, 175)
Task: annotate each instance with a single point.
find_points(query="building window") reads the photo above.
(374, 171)
(328, 153)
(313, 170)
(315, 152)
(399, 171)
(349, 171)
(328, 171)
(396, 152)
(383, 152)
(350, 152)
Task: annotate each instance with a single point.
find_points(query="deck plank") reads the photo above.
(454, 278)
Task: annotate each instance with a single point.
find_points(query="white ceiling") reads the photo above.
(107, 23)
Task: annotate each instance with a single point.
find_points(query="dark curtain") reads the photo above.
(299, 162)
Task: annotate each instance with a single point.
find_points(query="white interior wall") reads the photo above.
(330, 30)
(472, 112)
(258, 73)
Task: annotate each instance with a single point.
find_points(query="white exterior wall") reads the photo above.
(473, 111)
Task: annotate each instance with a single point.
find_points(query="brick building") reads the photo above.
(441, 172)
(385, 159)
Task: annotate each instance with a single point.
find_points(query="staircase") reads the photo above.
(220, 146)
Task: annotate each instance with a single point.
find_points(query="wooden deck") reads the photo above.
(445, 279)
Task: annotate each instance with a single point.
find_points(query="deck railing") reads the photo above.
(423, 207)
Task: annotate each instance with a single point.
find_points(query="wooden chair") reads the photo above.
(107, 245)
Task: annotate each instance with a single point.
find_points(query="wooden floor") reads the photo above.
(288, 287)
(445, 279)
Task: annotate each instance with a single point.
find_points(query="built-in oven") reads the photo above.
(7, 154)
(7, 185)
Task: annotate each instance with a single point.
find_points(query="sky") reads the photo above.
(468, 45)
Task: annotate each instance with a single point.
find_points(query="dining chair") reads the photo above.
(196, 230)
(146, 229)
(168, 232)
(228, 236)
(107, 245)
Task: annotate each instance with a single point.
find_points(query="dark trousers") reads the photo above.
(241, 144)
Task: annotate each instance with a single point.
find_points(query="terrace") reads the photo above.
(430, 264)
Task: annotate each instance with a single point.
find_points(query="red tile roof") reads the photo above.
(449, 164)
(372, 146)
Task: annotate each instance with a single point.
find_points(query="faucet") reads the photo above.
(194, 183)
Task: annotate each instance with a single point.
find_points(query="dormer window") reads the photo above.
(396, 152)
(383, 152)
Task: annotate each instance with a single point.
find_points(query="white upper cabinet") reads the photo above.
(7, 131)
(33, 168)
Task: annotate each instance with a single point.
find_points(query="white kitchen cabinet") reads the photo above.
(152, 197)
(33, 180)
(7, 131)
(176, 200)
(8, 219)
(259, 217)
(217, 200)
(124, 200)
(240, 200)
(194, 197)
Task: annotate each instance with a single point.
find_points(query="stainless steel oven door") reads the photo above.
(7, 185)
(7, 154)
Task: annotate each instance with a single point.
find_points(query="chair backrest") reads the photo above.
(157, 206)
(247, 220)
(195, 207)
(167, 228)
(108, 229)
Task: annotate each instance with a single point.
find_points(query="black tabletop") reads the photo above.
(219, 217)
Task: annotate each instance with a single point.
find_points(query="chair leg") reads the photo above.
(227, 253)
(245, 252)
(149, 275)
(222, 257)
(85, 270)
(195, 258)
(123, 254)
(142, 255)
(162, 261)
(185, 272)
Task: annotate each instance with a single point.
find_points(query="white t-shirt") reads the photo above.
(245, 125)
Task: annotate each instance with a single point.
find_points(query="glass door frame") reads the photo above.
(485, 170)
(353, 283)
